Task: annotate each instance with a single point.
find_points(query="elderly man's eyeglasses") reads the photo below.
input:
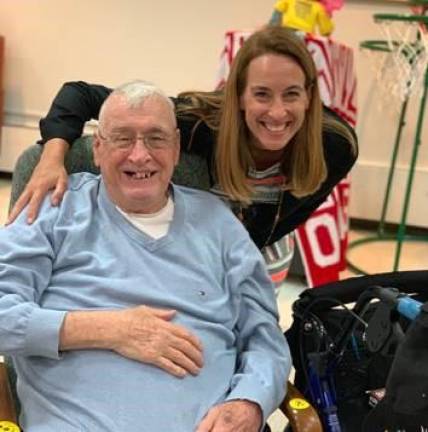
(126, 141)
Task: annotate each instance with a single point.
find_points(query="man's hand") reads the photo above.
(150, 338)
(232, 416)
(142, 333)
(48, 174)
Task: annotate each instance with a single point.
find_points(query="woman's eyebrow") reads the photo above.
(295, 87)
(266, 88)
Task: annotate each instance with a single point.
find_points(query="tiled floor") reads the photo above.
(374, 258)
(379, 256)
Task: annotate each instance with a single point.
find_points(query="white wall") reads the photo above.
(177, 44)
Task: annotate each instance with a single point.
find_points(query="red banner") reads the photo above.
(323, 238)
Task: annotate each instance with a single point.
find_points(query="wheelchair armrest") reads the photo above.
(300, 413)
(7, 404)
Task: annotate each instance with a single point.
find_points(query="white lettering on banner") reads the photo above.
(312, 227)
(234, 41)
(336, 78)
(317, 48)
(338, 200)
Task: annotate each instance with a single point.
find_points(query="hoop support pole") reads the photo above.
(401, 124)
(416, 145)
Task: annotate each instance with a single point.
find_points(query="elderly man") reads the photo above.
(138, 305)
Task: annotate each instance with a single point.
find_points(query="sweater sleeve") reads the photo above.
(264, 359)
(27, 256)
(76, 103)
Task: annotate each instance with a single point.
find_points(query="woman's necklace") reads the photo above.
(265, 182)
(275, 220)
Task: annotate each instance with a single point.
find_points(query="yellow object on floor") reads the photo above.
(8, 426)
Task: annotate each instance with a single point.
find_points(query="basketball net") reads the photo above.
(401, 59)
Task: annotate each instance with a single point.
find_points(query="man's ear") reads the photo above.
(96, 143)
(177, 147)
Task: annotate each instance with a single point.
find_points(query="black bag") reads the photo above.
(405, 405)
(317, 337)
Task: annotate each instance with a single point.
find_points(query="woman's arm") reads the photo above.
(75, 104)
(48, 174)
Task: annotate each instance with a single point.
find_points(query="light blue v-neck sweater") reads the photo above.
(84, 255)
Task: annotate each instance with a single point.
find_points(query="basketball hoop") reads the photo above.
(401, 71)
(400, 60)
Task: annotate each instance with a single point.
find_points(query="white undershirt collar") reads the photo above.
(155, 225)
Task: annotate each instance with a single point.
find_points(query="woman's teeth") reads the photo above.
(275, 128)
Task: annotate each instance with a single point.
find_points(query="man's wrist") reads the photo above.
(250, 404)
(251, 408)
(90, 330)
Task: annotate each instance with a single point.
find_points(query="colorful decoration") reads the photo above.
(332, 5)
(306, 15)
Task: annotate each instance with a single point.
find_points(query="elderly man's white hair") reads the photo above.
(135, 93)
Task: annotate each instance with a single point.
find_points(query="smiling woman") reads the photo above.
(274, 104)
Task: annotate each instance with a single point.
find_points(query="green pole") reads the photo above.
(401, 124)
(402, 228)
